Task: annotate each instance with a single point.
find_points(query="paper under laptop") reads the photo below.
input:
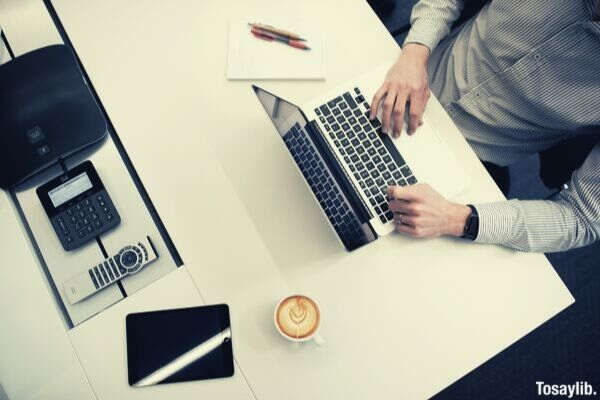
(253, 58)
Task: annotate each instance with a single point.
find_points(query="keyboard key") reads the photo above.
(324, 110)
(340, 135)
(387, 176)
(374, 191)
(358, 113)
(380, 182)
(381, 167)
(369, 182)
(345, 127)
(387, 159)
(354, 158)
(392, 166)
(367, 144)
(375, 122)
(349, 100)
(357, 90)
(343, 106)
(360, 149)
(331, 103)
(352, 120)
(406, 171)
(327, 128)
(376, 159)
(360, 166)
(411, 180)
(370, 166)
(362, 120)
(372, 201)
(360, 99)
(331, 119)
(345, 143)
(389, 215)
(335, 127)
(317, 111)
(397, 175)
(365, 157)
(364, 175)
(357, 128)
(371, 151)
(401, 182)
(340, 119)
(362, 136)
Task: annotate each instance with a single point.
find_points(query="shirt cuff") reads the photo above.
(424, 32)
(496, 222)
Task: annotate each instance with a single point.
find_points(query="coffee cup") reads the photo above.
(298, 319)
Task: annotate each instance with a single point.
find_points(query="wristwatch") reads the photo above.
(472, 225)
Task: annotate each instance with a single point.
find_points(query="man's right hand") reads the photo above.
(406, 81)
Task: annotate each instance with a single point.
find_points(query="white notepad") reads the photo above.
(253, 58)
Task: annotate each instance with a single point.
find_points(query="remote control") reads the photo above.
(128, 261)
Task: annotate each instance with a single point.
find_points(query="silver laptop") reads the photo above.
(348, 163)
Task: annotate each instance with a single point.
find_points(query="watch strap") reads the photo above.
(472, 224)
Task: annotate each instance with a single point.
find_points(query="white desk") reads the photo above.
(402, 318)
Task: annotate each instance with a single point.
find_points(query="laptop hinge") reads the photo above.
(342, 178)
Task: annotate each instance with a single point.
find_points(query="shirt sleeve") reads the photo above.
(567, 220)
(431, 21)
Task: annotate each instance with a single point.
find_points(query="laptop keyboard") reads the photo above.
(322, 184)
(370, 155)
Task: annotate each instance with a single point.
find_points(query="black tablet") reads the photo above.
(179, 345)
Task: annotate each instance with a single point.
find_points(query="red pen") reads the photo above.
(267, 36)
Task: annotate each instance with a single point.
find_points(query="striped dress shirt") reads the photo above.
(518, 78)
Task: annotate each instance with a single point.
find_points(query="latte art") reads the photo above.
(297, 317)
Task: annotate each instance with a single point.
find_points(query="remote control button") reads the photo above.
(94, 281)
(105, 209)
(70, 212)
(89, 229)
(91, 209)
(86, 221)
(114, 268)
(94, 217)
(97, 223)
(81, 233)
(129, 258)
(99, 198)
(122, 270)
(81, 214)
(109, 217)
(98, 276)
(69, 239)
(103, 273)
(110, 273)
(86, 202)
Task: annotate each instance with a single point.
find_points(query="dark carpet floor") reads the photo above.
(565, 349)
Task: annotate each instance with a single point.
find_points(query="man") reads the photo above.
(517, 79)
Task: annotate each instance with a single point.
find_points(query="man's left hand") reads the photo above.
(420, 211)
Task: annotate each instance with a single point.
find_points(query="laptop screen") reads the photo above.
(283, 113)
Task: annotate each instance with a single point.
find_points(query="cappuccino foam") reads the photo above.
(298, 317)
